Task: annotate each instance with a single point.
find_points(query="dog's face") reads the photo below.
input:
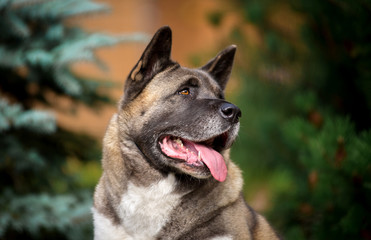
(177, 116)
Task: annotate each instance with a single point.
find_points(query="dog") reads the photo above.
(167, 173)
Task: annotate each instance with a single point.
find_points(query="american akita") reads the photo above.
(166, 167)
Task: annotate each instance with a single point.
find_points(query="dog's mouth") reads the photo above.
(198, 154)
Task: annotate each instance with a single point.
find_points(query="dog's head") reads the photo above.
(177, 116)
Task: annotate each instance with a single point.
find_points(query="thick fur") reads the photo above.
(142, 193)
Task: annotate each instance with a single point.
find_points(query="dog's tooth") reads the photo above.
(199, 156)
(179, 142)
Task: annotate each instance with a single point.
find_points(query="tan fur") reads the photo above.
(142, 194)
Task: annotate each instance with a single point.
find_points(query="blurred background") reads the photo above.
(302, 78)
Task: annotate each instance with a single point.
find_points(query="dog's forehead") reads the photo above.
(177, 76)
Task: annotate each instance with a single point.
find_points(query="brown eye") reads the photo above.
(184, 92)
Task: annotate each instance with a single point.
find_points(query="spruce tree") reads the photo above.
(306, 103)
(40, 197)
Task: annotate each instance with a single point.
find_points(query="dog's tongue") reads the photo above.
(214, 161)
(193, 152)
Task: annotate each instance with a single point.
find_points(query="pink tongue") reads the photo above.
(214, 161)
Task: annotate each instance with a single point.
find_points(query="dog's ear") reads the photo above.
(155, 58)
(220, 67)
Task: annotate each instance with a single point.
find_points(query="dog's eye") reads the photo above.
(184, 91)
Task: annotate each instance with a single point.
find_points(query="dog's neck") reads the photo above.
(137, 171)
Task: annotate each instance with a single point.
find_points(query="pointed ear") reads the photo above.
(155, 58)
(220, 67)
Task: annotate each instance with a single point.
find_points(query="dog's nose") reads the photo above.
(230, 112)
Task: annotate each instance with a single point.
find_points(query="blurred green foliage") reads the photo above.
(305, 96)
(47, 173)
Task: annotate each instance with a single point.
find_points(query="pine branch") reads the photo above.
(16, 25)
(34, 120)
(11, 58)
(40, 58)
(38, 211)
(67, 82)
(60, 9)
(82, 49)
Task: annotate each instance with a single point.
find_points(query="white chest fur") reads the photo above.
(142, 210)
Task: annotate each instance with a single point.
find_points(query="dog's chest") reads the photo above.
(145, 210)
